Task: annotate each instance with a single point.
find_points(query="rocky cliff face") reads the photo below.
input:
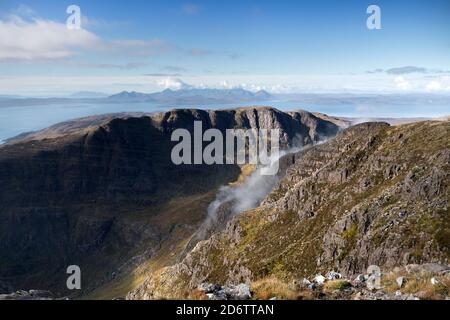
(374, 195)
(102, 192)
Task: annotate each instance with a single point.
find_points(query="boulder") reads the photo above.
(217, 292)
(360, 278)
(28, 295)
(333, 275)
(434, 281)
(239, 292)
(319, 279)
(427, 268)
(208, 287)
(400, 281)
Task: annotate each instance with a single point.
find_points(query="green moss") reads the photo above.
(277, 268)
(350, 234)
(442, 235)
(337, 285)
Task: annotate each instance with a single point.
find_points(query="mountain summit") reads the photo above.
(194, 96)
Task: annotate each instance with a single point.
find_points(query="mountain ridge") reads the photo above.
(373, 195)
(106, 187)
(193, 95)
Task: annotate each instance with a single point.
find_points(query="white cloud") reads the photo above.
(441, 84)
(45, 39)
(41, 39)
(273, 88)
(27, 37)
(173, 83)
(226, 85)
(60, 85)
(434, 86)
(401, 83)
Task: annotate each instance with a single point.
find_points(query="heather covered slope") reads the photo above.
(374, 195)
(103, 193)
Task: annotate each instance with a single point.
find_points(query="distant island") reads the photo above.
(168, 96)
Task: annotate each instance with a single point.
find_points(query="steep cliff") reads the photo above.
(374, 195)
(103, 193)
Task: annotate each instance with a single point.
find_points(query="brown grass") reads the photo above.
(272, 287)
(246, 171)
(418, 285)
(197, 295)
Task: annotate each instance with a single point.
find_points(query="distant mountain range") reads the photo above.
(87, 95)
(193, 96)
(366, 103)
(168, 96)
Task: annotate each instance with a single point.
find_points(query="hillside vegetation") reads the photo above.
(374, 195)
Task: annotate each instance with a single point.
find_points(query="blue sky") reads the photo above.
(280, 46)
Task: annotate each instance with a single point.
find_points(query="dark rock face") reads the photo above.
(5, 287)
(92, 192)
(374, 195)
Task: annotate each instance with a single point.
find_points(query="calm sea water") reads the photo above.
(16, 120)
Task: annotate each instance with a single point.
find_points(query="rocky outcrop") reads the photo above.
(103, 193)
(28, 295)
(217, 292)
(301, 124)
(374, 195)
(412, 282)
